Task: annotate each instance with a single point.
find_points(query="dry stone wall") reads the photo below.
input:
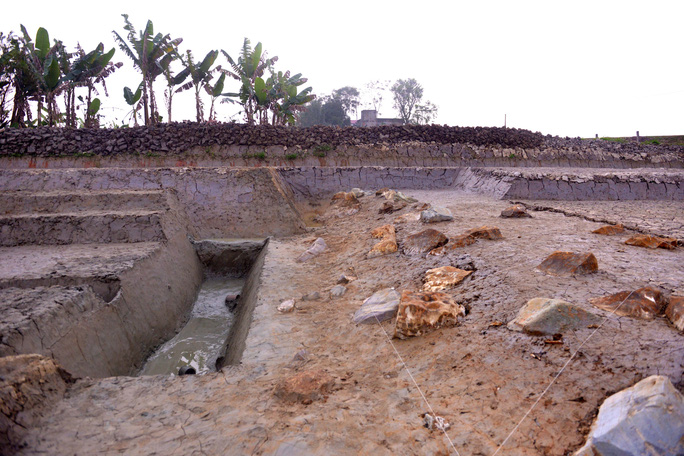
(213, 145)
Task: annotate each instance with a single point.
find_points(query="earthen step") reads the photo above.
(81, 227)
(66, 201)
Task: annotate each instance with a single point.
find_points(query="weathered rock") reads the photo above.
(388, 207)
(486, 232)
(516, 211)
(381, 306)
(410, 217)
(610, 230)
(565, 263)
(357, 192)
(645, 419)
(305, 387)
(29, 385)
(551, 316)
(396, 196)
(454, 243)
(337, 291)
(422, 312)
(382, 191)
(652, 242)
(319, 246)
(424, 241)
(675, 311)
(439, 279)
(344, 199)
(645, 303)
(286, 306)
(388, 243)
(314, 296)
(436, 214)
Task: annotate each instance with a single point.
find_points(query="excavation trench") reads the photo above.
(201, 345)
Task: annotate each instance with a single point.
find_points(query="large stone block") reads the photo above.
(652, 242)
(567, 263)
(388, 243)
(645, 303)
(551, 316)
(675, 312)
(424, 241)
(439, 279)
(381, 306)
(420, 313)
(645, 419)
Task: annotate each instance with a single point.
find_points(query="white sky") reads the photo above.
(563, 68)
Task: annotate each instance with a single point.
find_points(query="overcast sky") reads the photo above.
(575, 68)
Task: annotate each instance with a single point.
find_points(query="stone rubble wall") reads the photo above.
(236, 145)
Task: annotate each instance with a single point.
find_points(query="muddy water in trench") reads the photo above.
(200, 340)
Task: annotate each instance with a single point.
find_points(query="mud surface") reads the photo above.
(480, 376)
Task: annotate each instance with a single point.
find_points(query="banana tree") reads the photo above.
(133, 100)
(86, 71)
(151, 55)
(285, 100)
(200, 77)
(214, 92)
(249, 70)
(42, 61)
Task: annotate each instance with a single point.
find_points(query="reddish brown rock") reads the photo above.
(439, 279)
(454, 243)
(345, 199)
(675, 311)
(516, 211)
(610, 230)
(29, 386)
(565, 263)
(388, 207)
(424, 241)
(420, 313)
(645, 303)
(486, 232)
(652, 242)
(305, 387)
(388, 243)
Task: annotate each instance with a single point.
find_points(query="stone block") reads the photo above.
(381, 306)
(645, 303)
(542, 316)
(420, 313)
(568, 263)
(610, 230)
(423, 241)
(675, 311)
(652, 242)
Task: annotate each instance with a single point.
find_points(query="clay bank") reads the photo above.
(227, 289)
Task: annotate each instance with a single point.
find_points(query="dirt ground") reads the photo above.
(480, 376)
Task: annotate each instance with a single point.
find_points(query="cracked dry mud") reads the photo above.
(480, 376)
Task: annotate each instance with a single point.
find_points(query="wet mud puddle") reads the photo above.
(200, 341)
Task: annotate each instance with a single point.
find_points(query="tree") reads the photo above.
(374, 92)
(408, 95)
(200, 76)
(151, 55)
(349, 97)
(324, 111)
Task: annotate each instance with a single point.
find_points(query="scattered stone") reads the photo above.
(516, 211)
(344, 199)
(565, 263)
(388, 243)
(439, 279)
(232, 301)
(382, 306)
(318, 247)
(396, 196)
(424, 241)
(437, 422)
(436, 214)
(337, 291)
(645, 419)
(357, 192)
(305, 387)
(388, 207)
(422, 312)
(675, 312)
(301, 355)
(652, 242)
(410, 217)
(346, 278)
(486, 232)
(315, 296)
(610, 230)
(287, 306)
(645, 303)
(542, 316)
(454, 243)
(382, 191)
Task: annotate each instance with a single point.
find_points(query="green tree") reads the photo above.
(200, 77)
(151, 55)
(408, 94)
(349, 97)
